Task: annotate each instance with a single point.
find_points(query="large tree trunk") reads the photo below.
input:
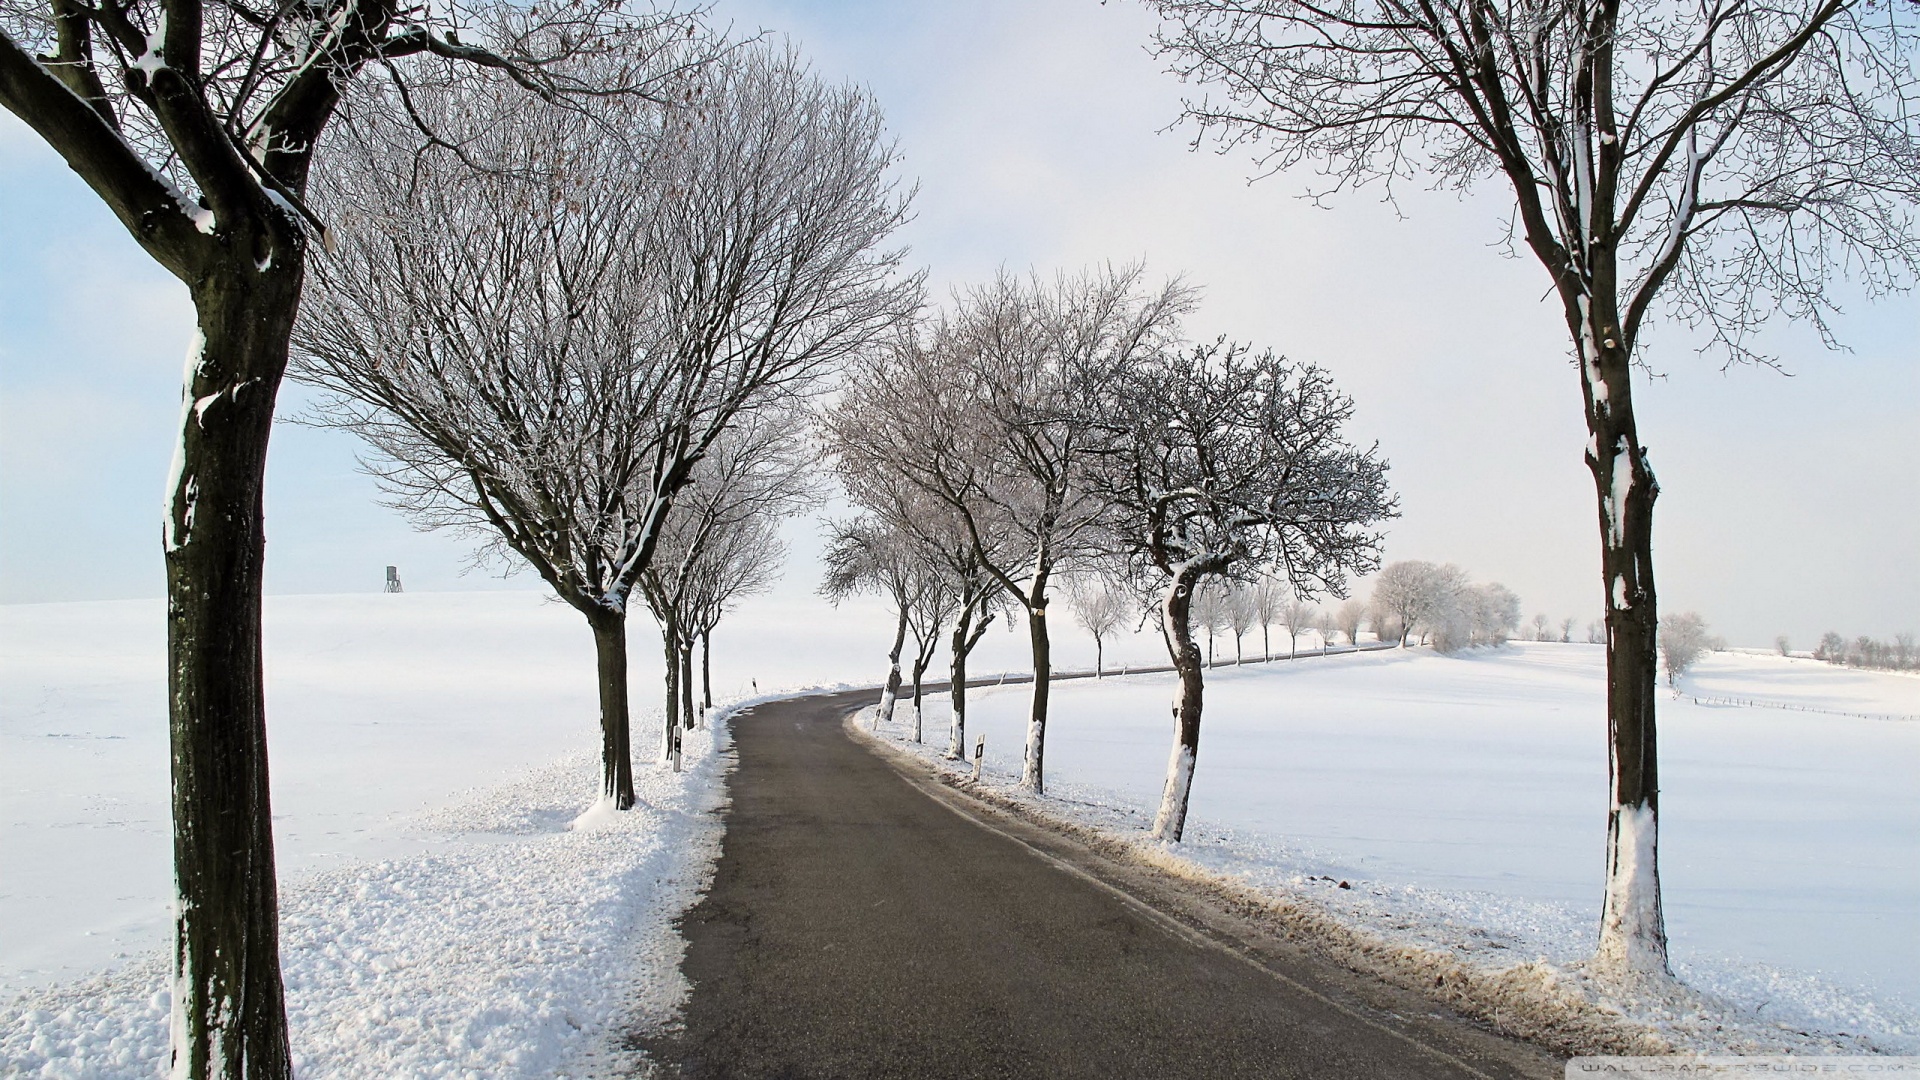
(689, 717)
(229, 1012)
(616, 751)
(1099, 658)
(957, 673)
(1033, 776)
(1171, 821)
(706, 670)
(1633, 936)
(670, 731)
(892, 689)
(920, 663)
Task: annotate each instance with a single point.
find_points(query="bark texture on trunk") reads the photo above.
(1171, 820)
(919, 672)
(706, 669)
(957, 675)
(689, 718)
(892, 690)
(616, 749)
(1633, 937)
(229, 1013)
(1033, 776)
(670, 731)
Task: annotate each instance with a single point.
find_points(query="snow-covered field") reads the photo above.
(1464, 798)
(428, 753)
(441, 919)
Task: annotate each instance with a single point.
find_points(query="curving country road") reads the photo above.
(865, 921)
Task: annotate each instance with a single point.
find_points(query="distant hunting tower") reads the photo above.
(393, 579)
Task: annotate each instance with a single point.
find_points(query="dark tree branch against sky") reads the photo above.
(197, 125)
(1720, 163)
(1034, 131)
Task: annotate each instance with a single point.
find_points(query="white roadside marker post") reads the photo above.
(979, 756)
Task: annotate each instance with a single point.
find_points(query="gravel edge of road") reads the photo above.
(1527, 1002)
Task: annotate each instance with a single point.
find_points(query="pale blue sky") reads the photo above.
(1034, 131)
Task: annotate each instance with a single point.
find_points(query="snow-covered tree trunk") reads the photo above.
(1633, 937)
(1033, 776)
(228, 1001)
(688, 717)
(1171, 821)
(957, 674)
(610, 654)
(919, 672)
(892, 689)
(670, 646)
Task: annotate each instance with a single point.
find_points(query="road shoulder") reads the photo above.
(1513, 1018)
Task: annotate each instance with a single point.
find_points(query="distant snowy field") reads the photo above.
(1475, 787)
(427, 754)
(429, 750)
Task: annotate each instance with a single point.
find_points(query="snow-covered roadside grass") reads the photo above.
(1517, 963)
(527, 942)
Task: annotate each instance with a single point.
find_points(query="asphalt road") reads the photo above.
(865, 922)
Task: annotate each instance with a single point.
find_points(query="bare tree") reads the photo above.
(1475, 615)
(867, 555)
(747, 563)
(1683, 638)
(1496, 614)
(1296, 615)
(1348, 617)
(936, 602)
(1832, 648)
(1783, 645)
(1566, 629)
(1268, 595)
(198, 126)
(721, 541)
(1725, 160)
(946, 576)
(1232, 462)
(1387, 623)
(551, 368)
(1240, 615)
(1000, 389)
(1417, 594)
(1210, 611)
(1542, 627)
(1101, 607)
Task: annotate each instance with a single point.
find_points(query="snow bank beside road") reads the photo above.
(515, 947)
(1462, 801)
